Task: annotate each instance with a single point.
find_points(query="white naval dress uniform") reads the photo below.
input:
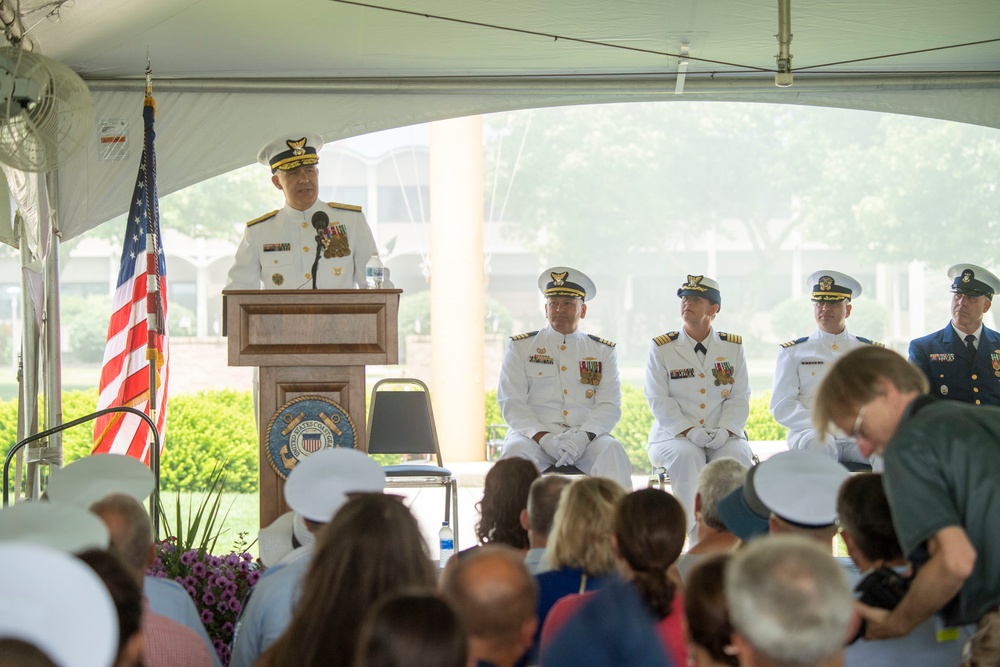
(801, 366)
(278, 250)
(683, 392)
(541, 389)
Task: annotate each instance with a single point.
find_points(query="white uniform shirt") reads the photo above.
(683, 391)
(541, 387)
(801, 366)
(277, 252)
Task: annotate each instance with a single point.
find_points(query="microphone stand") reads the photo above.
(315, 266)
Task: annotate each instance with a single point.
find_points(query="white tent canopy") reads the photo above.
(230, 75)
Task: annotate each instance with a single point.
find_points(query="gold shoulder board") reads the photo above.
(666, 338)
(524, 335)
(266, 216)
(346, 207)
(731, 338)
(602, 340)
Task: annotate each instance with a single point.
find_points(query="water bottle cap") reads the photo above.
(444, 523)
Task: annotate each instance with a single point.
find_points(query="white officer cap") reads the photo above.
(55, 602)
(800, 487)
(565, 281)
(289, 152)
(92, 478)
(703, 287)
(973, 280)
(829, 285)
(69, 528)
(318, 485)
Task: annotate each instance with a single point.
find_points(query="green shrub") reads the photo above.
(633, 428)
(761, 425)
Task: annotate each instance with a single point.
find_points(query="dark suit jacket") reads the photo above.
(952, 370)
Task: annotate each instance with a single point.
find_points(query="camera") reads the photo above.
(882, 588)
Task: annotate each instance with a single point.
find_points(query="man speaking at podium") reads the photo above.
(307, 244)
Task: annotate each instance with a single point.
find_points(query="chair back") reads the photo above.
(402, 421)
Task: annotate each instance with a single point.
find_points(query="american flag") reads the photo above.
(140, 299)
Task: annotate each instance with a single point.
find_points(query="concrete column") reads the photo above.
(456, 194)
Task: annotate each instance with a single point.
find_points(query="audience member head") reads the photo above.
(709, 631)
(800, 487)
(131, 532)
(870, 377)
(716, 481)
(89, 479)
(127, 596)
(649, 533)
(496, 597)
(583, 524)
(505, 496)
(67, 528)
(20, 653)
(789, 602)
(543, 498)
(865, 521)
(371, 548)
(412, 629)
(80, 625)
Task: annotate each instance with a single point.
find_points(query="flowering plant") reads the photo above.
(218, 585)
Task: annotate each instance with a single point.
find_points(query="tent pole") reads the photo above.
(52, 366)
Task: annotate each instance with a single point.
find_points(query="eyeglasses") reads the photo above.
(564, 304)
(856, 431)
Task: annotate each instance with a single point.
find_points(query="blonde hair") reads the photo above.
(854, 381)
(583, 525)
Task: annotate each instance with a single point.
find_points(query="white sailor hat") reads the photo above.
(973, 280)
(55, 602)
(318, 485)
(566, 281)
(69, 528)
(800, 487)
(92, 478)
(829, 285)
(289, 152)
(703, 287)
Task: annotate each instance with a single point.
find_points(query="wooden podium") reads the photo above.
(308, 342)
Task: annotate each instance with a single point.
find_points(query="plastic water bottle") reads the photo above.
(447, 540)
(374, 272)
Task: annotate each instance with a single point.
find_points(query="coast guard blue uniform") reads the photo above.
(952, 369)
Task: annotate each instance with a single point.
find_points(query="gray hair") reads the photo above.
(789, 599)
(717, 480)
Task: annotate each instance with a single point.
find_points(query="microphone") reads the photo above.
(319, 222)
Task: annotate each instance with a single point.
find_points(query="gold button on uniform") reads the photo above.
(701, 375)
(305, 248)
(564, 368)
(539, 374)
(701, 421)
(304, 224)
(975, 377)
(977, 401)
(702, 390)
(565, 413)
(308, 276)
(702, 406)
(565, 391)
(975, 389)
(562, 347)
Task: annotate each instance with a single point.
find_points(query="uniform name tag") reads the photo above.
(682, 373)
(942, 357)
(277, 247)
(813, 363)
(540, 359)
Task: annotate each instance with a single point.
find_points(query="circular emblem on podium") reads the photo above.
(303, 426)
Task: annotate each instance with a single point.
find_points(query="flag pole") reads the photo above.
(152, 313)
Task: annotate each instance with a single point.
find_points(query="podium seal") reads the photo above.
(303, 426)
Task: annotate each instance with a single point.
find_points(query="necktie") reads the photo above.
(970, 342)
(701, 348)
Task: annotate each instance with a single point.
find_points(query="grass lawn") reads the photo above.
(241, 512)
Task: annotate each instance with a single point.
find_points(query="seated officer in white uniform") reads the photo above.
(559, 389)
(280, 249)
(699, 393)
(803, 363)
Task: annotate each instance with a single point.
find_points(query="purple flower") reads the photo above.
(232, 559)
(235, 605)
(208, 598)
(247, 557)
(190, 581)
(192, 592)
(189, 557)
(230, 587)
(199, 570)
(244, 566)
(227, 629)
(207, 616)
(253, 577)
